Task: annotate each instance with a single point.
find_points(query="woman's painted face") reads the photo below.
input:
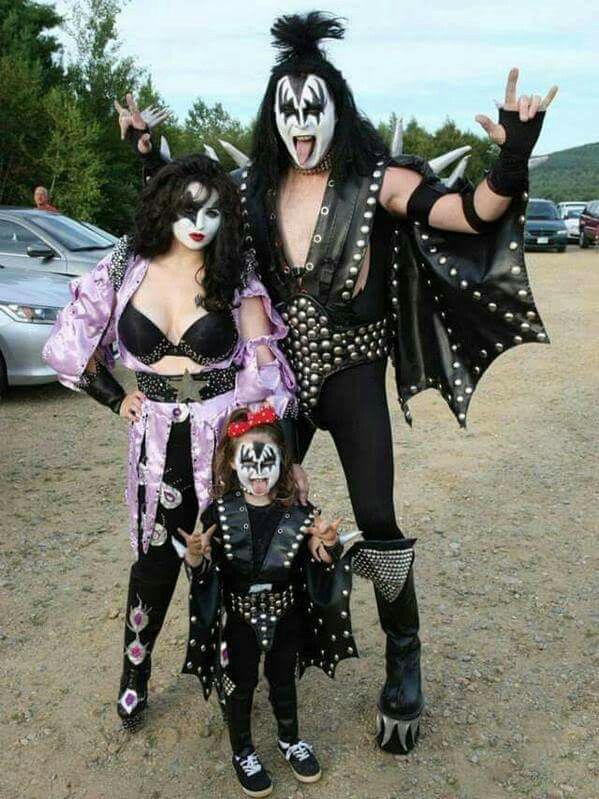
(305, 115)
(258, 465)
(199, 217)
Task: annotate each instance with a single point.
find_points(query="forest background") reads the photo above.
(58, 125)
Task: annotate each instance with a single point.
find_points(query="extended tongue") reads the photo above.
(304, 148)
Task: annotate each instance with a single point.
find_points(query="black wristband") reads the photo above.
(509, 175)
(423, 198)
(133, 135)
(472, 217)
(103, 387)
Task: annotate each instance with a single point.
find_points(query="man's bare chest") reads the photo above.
(299, 205)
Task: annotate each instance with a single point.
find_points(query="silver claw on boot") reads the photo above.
(387, 726)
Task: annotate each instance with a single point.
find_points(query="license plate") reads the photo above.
(543, 240)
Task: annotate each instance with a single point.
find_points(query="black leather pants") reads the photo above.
(353, 408)
(279, 669)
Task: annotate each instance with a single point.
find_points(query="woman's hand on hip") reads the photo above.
(131, 406)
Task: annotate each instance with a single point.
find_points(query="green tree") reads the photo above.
(97, 76)
(23, 123)
(71, 158)
(24, 27)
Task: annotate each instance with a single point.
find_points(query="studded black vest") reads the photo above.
(261, 608)
(327, 331)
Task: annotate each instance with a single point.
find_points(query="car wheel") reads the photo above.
(582, 241)
(3, 377)
(561, 249)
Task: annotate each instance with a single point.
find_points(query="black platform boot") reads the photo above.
(133, 695)
(252, 776)
(401, 701)
(299, 754)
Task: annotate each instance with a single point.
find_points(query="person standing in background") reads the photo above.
(41, 199)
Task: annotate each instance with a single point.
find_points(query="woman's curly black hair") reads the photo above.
(161, 202)
(357, 144)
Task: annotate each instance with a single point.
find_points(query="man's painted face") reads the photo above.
(305, 115)
(199, 217)
(258, 466)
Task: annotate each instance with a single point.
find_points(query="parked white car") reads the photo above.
(570, 212)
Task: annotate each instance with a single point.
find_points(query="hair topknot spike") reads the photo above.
(296, 35)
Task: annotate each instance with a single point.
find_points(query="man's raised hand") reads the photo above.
(527, 107)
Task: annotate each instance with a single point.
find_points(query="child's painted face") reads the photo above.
(257, 462)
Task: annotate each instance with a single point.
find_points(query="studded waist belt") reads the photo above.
(261, 610)
(316, 348)
(187, 387)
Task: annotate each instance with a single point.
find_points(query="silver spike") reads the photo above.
(240, 158)
(397, 143)
(439, 163)
(458, 172)
(211, 152)
(180, 548)
(165, 150)
(349, 536)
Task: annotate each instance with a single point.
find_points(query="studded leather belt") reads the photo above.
(261, 610)
(187, 387)
(315, 348)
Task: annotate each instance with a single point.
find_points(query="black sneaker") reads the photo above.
(252, 776)
(302, 760)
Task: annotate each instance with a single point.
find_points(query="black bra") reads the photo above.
(210, 339)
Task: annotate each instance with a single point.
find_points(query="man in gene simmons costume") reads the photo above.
(369, 255)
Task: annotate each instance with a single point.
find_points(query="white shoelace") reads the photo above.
(250, 764)
(301, 750)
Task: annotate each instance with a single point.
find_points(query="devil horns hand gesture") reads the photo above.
(527, 106)
(141, 121)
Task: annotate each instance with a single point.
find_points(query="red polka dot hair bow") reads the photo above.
(264, 415)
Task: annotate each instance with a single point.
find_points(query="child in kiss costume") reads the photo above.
(266, 576)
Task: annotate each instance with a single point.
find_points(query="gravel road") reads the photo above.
(506, 520)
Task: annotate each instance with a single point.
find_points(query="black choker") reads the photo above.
(323, 166)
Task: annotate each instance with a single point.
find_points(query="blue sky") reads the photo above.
(431, 59)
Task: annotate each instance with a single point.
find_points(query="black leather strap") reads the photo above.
(423, 198)
(472, 217)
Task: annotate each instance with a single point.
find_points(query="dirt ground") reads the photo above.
(506, 520)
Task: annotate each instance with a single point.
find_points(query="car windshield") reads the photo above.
(538, 210)
(574, 213)
(70, 233)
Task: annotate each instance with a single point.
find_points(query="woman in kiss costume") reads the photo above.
(369, 256)
(198, 330)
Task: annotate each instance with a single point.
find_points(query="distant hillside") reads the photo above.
(568, 175)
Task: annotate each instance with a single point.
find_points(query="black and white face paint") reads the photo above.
(258, 467)
(305, 116)
(199, 217)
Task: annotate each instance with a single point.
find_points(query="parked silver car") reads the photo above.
(50, 242)
(29, 303)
